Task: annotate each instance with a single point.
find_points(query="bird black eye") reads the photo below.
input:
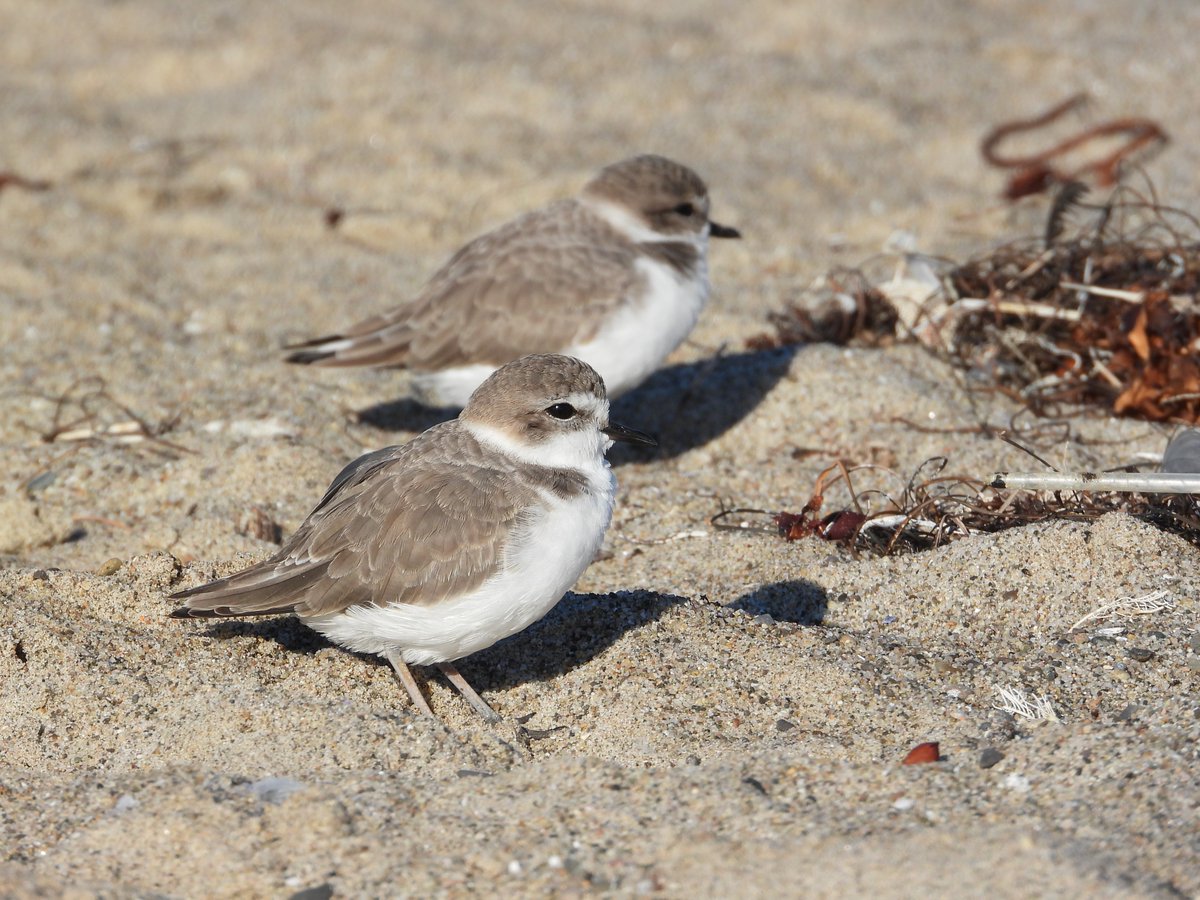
(562, 411)
(685, 209)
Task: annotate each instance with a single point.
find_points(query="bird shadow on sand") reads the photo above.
(578, 628)
(799, 601)
(684, 406)
(287, 631)
(405, 414)
(687, 405)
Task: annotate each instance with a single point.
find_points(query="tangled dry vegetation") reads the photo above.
(935, 508)
(1104, 318)
(1108, 318)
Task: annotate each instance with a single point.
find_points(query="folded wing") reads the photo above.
(407, 524)
(524, 288)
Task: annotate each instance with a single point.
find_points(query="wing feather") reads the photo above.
(409, 524)
(534, 285)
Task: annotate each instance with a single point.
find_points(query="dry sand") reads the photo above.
(712, 713)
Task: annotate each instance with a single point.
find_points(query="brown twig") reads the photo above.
(12, 179)
(88, 395)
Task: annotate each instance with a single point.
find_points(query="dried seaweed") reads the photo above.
(1101, 319)
(1034, 172)
(850, 310)
(936, 508)
(1066, 198)
(1107, 317)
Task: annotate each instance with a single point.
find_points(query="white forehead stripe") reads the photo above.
(624, 221)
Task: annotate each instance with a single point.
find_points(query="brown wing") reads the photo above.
(408, 524)
(523, 288)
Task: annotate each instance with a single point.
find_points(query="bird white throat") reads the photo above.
(616, 276)
(427, 552)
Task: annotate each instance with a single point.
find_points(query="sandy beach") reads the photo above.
(710, 712)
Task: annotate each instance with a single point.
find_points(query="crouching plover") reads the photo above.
(427, 552)
(616, 276)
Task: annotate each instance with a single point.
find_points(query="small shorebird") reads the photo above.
(616, 276)
(432, 550)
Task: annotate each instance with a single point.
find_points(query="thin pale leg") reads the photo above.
(468, 692)
(410, 685)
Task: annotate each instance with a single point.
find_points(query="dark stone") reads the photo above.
(989, 756)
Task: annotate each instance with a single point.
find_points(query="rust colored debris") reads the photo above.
(929, 752)
(1103, 319)
(1106, 317)
(12, 179)
(936, 508)
(1041, 170)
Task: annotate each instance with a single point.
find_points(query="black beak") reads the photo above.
(621, 433)
(722, 231)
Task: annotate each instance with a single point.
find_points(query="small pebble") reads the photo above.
(110, 568)
(1140, 654)
(1194, 642)
(784, 725)
(989, 757)
(763, 619)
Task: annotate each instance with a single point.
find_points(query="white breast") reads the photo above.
(635, 341)
(545, 557)
(627, 348)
